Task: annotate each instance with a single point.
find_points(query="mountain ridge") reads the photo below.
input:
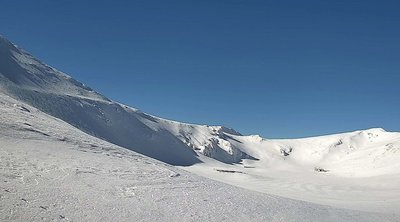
(330, 169)
(58, 94)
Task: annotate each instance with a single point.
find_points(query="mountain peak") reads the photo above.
(6, 45)
(19, 69)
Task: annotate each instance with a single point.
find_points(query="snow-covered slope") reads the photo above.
(19, 68)
(357, 170)
(51, 171)
(360, 153)
(337, 170)
(29, 80)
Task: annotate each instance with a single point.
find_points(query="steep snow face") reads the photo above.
(211, 141)
(27, 79)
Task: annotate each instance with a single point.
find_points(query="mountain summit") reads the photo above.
(19, 69)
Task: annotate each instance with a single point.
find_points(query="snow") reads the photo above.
(52, 171)
(62, 159)
(357, 170)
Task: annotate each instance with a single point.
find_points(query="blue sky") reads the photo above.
(276, 68)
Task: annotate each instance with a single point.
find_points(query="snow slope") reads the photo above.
(27, 79)
(337, 170)
(51, 171)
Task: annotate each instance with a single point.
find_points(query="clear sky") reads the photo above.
(275, 68)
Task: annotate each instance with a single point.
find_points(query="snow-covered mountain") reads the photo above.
(336, 170)
(51, 171)
(29, 80)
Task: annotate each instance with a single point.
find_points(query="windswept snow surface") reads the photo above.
(51, 171)
(358, 170)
